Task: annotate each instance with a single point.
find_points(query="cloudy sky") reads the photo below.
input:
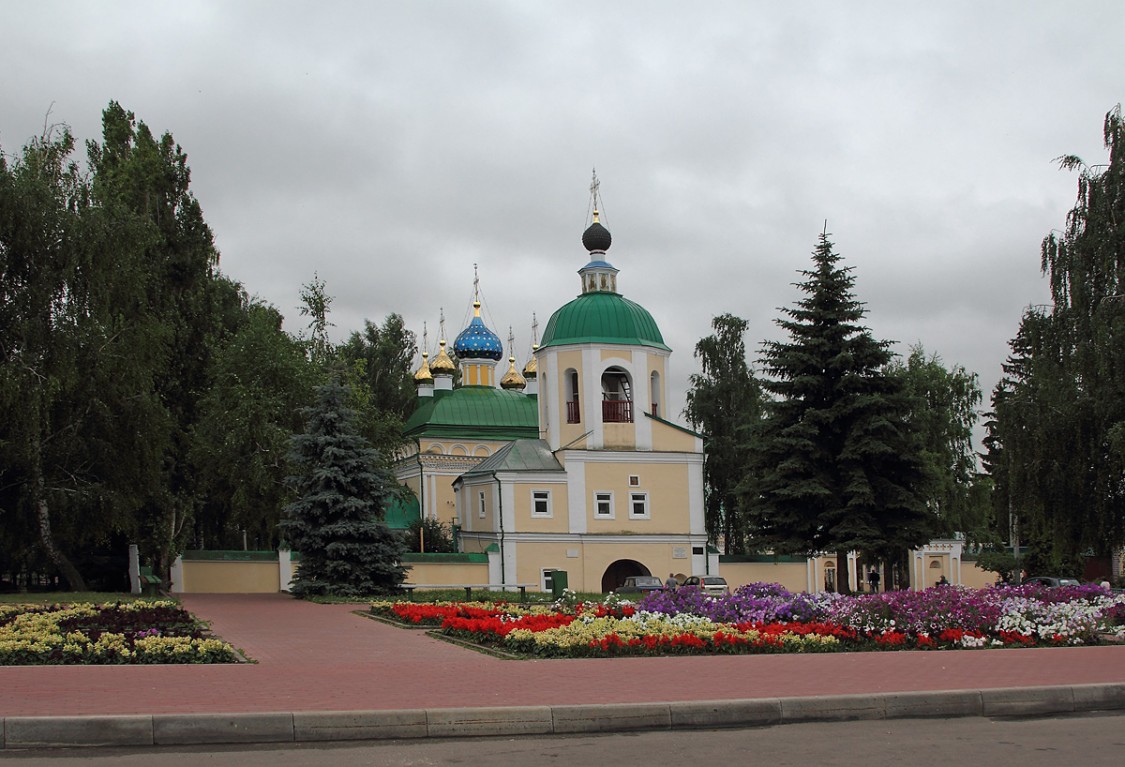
(389, 146)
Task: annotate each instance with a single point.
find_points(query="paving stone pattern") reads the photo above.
(325, 658)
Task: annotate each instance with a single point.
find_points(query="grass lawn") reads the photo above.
(73, 597)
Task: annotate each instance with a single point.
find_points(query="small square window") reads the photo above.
(540, 503)
(634, 480)
(603, 505)
(638, 505)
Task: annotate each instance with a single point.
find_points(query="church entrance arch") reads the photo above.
(617, 572)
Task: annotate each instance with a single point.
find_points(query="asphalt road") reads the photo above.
(1090, 739)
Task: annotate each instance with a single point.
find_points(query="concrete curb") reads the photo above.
(192, 729)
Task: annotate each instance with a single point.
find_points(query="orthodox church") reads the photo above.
(570, 465)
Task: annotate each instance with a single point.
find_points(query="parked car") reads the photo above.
(1052, 580)
(712, 584)
(639, 584)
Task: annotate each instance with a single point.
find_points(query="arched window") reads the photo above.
(572, 411)
(654, 392)
(617, 396)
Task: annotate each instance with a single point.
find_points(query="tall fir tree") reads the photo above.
(724, 402)
(833, 468)
(342, 489)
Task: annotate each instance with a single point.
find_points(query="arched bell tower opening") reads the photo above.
(617, 396)
(617, 572)
(572, 384)
(654, 392)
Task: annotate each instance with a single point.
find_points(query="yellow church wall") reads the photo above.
(668, 439)
(620, 436)
(666, 485)
(558, 522)
(592, 558)
(478, 374)
(472, 498)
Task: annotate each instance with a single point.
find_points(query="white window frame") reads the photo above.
(546, 578)
(607, 495)
(642, 498)
(481, 506)
(545, 497)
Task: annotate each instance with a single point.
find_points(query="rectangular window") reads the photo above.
(540, 503)
(483, 509)
(548, 579)
(603, 505)
(638, 505)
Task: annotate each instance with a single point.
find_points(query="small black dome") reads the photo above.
(596, 237)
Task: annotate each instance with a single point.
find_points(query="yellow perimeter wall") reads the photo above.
(449, 573)
(261, 577)
(207, 577)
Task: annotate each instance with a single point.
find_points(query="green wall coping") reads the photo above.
(229, 556)
(444, 558)
(769, 559)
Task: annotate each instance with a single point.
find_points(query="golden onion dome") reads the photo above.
(531, 369)
(442, 364)
(424, 375)
(512, 379)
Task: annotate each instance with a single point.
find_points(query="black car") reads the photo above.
(1052, 580)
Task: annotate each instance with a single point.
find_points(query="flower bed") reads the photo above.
(761, 618)
(119, 633)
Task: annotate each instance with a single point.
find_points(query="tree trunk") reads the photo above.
(73, 578)
(843, 577)
(43, 517)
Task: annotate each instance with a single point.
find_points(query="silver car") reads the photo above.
(712, 584)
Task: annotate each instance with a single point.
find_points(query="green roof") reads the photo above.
(603, 318)
(401, 510)
(519, 455)
(475, 412)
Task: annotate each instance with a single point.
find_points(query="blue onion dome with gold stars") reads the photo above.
(477, 342)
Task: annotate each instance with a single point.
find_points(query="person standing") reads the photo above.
(671, 583)
(873, 580)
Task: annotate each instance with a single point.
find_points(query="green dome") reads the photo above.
(602, 318)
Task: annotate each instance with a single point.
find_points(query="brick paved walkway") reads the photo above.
(325, 658)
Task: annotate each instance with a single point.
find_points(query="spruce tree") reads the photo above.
(833, 467)
(336, 523)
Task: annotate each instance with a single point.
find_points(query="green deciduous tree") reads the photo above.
(260, 380)
(724, 403)
(190, 310)
(833, 465)
(1057, 440)
(379, 372)
(943, 414)
(79, 427)
(336, 521)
